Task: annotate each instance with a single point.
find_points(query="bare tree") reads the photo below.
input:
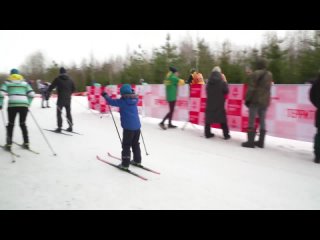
(34, 66)
(187, 52)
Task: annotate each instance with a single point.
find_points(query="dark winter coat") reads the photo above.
(128, 111)
(259, 89)
(189, 81)
(315, 99)
(216, 91)
(65, 87)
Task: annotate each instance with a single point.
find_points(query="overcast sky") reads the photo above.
(68, 46)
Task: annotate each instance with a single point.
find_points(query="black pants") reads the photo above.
(130, 139)
(12, 113)
(67, 106)
(170, 113)
(44, 97)
(224, 126)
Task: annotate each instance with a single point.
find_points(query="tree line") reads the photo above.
(293, 59)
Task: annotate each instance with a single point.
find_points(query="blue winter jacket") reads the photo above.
(128, 111)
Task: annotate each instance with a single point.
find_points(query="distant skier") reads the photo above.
(315, 99)
(65, 87)
(43, 89)
(20, 96)
(143, 82)
(130, 123)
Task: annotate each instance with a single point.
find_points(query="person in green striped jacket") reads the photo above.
(20, 96)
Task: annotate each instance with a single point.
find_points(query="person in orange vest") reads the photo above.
(195, 77)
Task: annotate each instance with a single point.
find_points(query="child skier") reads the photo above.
(130, 123)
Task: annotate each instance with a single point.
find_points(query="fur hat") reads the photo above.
(216, 69)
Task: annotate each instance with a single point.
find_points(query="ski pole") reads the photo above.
(42, 133)
(85, 107)
(144, 144)
(3, 119)
(115, 124)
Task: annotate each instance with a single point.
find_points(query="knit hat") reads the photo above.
(126, 89)
(63, 70)
(14, 71)
(173, 69)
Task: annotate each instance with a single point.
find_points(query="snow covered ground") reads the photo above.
(196, 173)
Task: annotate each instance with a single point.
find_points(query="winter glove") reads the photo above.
(104, 94)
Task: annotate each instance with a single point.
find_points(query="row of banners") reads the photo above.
(290, 115)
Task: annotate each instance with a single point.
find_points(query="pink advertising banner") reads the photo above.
(97, 102)
(290, 114)
(156, 105)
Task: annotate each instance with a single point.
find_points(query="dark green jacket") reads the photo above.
(259, 89)
(171, 83)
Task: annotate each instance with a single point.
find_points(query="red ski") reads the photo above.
(139, 166)
(124, 170)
